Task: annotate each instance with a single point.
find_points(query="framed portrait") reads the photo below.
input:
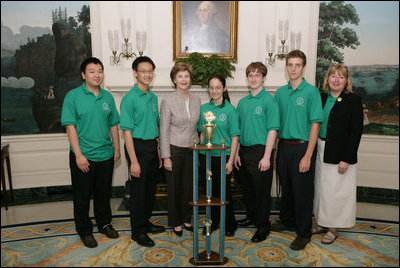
(207, 27)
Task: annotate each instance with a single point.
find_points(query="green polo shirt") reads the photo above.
(226, 124)
(330, 101)
(257, 116)
(139, 114)
(92, 117)
(298, 108)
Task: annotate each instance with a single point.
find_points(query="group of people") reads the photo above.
(312, 137)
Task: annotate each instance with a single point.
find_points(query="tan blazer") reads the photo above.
(175, 126)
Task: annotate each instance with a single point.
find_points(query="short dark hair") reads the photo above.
(88, 61)
(297, 54)
(141, 59)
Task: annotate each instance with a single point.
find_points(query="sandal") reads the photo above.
(318, 229)
(329, 237)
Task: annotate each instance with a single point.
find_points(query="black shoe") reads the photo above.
(109, 231)
(278, 227)
(300, 243)
(229, 233)
(189, 228)
(89, 241)
(155, 229)
(178, 233)
(244, 222)
(143, 240)
(260, 235)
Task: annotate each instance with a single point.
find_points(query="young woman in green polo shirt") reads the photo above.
(227, 128)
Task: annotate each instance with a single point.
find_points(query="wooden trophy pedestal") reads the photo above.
(214, 259)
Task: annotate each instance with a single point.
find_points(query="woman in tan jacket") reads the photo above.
(179, 115)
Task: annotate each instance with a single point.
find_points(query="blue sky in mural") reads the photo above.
(15, 14)
(378, 32)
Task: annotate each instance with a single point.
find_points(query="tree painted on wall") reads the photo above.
(333, 35)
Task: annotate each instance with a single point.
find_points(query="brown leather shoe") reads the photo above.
(300, 243)
(89, 241)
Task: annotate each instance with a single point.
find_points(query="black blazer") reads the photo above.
(345, 126)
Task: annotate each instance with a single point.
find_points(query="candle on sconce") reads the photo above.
(141, 39)
(126, 28)
(283, 26)
(270, 42)
(295, 40)
(113, 40)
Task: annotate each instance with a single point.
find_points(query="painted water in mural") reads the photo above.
(379, 88)
(42, 46)
(365, 37)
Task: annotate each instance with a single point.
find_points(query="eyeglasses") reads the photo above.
(146, 72)
(254, 75)
(215, 88)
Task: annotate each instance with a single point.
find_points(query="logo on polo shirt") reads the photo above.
(222, 117)
(300, 101)
(105, 106)
(259, 110)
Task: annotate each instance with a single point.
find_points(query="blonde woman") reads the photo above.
(335, 170)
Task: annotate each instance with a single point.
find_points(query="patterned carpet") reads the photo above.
(369, 243)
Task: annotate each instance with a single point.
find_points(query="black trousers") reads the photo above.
(256, 184)
(296, 204)
(180, 186)
(144, 188)
(230, 221)
(97, 181)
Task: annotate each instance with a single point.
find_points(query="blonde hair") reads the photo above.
(342, 69)
(181, 66)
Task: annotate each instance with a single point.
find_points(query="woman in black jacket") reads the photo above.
(335, 171)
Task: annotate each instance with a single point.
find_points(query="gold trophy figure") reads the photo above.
(209, 128)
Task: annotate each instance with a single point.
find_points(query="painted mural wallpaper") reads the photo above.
(365, 37)
(42, 46)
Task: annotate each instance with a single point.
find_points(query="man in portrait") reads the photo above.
(202, 33)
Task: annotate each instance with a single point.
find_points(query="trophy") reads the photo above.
(209, 128)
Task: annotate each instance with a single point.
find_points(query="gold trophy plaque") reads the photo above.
(209, 128)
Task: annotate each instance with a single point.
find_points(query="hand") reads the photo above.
(304, 165)
(264, 164)
(135, 170)
(343, 166)
(168, 164)
(159, 159)
(237, 162)
(83, 163)
(228, 168)
(117, 155)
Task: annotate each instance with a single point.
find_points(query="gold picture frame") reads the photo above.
(192, 32)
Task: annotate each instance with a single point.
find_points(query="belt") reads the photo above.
(291, 142)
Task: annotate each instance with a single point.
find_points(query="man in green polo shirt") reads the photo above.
(259, 122)
(300, 110)
(90, 116)
(139, 122)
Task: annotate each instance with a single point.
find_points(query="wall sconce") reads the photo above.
(283, 30)
(126, 47)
